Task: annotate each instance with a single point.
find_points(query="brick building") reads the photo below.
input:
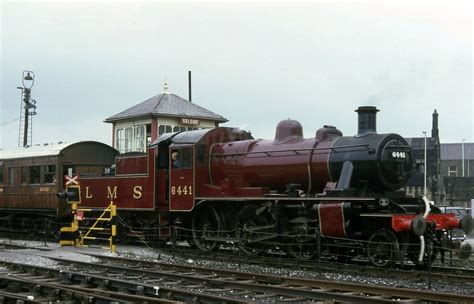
(445, 182)
(457, 183)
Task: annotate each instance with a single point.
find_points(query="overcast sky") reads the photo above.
(253, 63)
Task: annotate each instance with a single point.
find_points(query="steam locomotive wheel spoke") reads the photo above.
(247, 221)
(206, 225)
(382, 248)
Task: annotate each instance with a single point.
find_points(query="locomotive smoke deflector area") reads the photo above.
(367, 123)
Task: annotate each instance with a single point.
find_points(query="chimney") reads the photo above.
(434, 128)
(189, 85)
(367, 120)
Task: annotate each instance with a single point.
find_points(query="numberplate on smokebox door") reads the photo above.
(181, 189)
(399, 155)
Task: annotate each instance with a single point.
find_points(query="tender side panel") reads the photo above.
(126, 192)
(131, 165)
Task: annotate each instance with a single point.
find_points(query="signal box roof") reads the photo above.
(167, 104)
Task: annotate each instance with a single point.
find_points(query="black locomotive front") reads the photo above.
(370, 161)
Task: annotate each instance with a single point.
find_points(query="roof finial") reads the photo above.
(165, 87)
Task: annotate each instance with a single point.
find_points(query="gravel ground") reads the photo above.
(40, 258)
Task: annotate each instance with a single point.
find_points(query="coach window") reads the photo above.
(34, 176)
(49, 172)
(24, 175)
(11, 176)
(1, 172)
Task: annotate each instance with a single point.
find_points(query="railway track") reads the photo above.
(42, 284)
(232, 284)
(442, 274)
(18, 287)
(213, 286)
(439, 272)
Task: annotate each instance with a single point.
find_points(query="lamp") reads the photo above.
(28, 79)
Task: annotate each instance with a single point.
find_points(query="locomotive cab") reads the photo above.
(181, 177)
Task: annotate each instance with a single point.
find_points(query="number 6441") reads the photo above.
(182, 190)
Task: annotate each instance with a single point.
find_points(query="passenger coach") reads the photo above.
(30, 177)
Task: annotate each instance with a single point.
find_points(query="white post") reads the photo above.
(472, 207)
(462, 157)
(424, 187)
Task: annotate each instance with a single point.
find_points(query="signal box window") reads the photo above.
(140, 138)
(128, 139)
(120, 140)
(34, 176)
(164, 129)
(452, 171)
(131, 139)
(179, 129)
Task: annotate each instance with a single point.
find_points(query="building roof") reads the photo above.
(417, 143)
(167, 104)
(454, 151)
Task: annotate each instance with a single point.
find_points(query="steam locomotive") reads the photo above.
(304, 196)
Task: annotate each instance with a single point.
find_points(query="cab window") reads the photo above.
(187, 158)
(182, 158)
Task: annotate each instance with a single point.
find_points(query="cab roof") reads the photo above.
(221, 134)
